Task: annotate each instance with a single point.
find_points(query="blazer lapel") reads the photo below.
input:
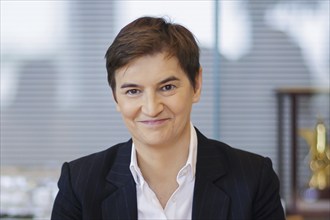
(121, 203)
(210, 201)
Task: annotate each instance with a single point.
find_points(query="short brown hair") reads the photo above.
(150, 35)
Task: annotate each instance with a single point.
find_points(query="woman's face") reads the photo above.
(155, 97)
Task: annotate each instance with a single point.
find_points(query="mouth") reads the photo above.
(154, 122)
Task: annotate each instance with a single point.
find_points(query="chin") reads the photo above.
(155, 141)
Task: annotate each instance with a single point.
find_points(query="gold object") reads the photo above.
(319, 155)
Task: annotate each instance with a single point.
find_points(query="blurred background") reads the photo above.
(266, 76)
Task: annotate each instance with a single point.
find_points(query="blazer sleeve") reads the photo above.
(267, 204)
(66, 205)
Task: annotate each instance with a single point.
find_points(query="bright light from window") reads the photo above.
(309, 28)
(235, 30)
(31, 26)
(197, 16)
(29, 30)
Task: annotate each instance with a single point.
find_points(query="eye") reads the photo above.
(168, 87)
(132, 92)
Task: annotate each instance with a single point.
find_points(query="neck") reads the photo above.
(162, 163)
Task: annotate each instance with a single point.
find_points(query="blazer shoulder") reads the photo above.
(108, 155)
(239, 154)
(236, 162)
(229, 153)
(87, 172)
(242, 164)
(94, 168)
(83, 183)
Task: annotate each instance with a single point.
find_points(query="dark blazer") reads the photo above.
(230, 184)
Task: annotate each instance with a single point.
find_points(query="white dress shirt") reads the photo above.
(179, 206)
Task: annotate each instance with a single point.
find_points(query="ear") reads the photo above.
(198, 85)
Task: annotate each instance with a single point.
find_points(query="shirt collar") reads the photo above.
(134, 168)
(190, 164)
(192, 156)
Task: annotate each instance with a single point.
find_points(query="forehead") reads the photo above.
(150, 67)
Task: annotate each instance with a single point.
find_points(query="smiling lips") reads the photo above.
(154, 122)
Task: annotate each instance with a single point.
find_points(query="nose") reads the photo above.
(152, 104)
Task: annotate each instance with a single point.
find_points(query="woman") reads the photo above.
(168, 170)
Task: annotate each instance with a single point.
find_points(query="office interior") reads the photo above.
(265, 89)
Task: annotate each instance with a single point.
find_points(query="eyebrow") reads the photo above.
(169, 79)
(128, 85)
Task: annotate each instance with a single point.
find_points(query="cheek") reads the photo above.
(181, 105)
(128, 109)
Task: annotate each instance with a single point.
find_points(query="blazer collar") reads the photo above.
(210, 201)
(121, 201)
